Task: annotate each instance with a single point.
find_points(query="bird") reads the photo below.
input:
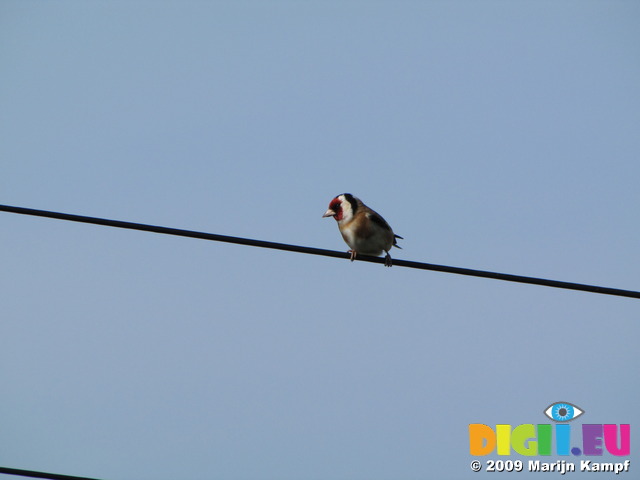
(364, 230)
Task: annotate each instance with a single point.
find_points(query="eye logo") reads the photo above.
(532, 440)
(563, 412)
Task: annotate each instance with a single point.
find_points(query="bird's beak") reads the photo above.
(329, 213)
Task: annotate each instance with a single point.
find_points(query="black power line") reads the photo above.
(32, 474)
(319, 251)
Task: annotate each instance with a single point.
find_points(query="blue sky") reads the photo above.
(492, 135)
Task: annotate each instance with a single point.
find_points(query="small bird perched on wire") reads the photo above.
(364, 230)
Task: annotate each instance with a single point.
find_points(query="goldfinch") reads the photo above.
(365, 231)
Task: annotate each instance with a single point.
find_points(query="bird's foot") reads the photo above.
(353, 254)
(387, 260)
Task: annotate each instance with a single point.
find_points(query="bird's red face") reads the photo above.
(335, 209)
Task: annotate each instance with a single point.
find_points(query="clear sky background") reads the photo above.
(493, 135)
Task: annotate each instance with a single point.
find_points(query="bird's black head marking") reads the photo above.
(352, 201)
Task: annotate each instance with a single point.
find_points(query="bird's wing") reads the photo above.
(378, 220)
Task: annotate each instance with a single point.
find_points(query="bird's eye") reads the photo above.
(563, 412)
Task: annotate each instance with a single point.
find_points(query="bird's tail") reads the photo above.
(395, 244)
